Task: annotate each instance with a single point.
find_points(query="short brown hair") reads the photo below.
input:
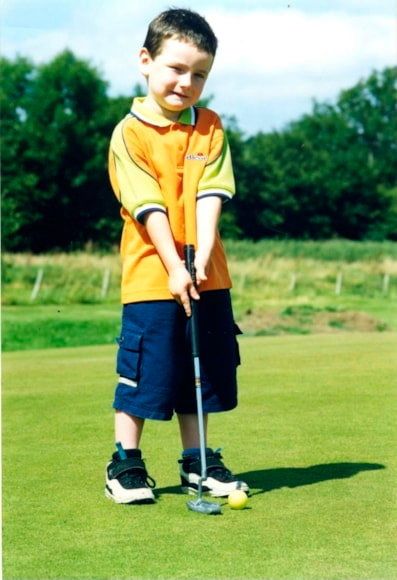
(185, 25)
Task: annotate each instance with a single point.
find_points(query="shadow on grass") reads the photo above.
(264, 480)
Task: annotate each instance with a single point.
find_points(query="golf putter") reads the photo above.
(199, 504)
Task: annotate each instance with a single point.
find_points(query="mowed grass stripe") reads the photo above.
(313, 436)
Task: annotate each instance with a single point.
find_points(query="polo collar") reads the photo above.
(143, 113)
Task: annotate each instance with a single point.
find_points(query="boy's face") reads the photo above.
(176, 76)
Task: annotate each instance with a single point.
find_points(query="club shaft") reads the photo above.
(194, 333)
(200, 418)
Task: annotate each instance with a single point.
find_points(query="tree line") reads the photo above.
(331, 173)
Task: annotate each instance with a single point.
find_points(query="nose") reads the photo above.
(185, 80)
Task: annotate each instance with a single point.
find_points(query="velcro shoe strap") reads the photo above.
(214, 461)
(127, 465)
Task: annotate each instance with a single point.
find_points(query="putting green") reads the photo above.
(313, 436)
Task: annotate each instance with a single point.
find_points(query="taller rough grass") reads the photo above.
(273, 276)
(328, 250)
(74, 278)
(263, 270)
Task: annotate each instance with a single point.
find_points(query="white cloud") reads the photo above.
(264, 42)
(282, 60)
(272, 55)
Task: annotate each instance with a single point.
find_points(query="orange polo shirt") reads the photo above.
(159, 165)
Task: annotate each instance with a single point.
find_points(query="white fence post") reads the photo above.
(292, 284)
(386, 284)
(37, 285)
(339, 283)
(105, 283)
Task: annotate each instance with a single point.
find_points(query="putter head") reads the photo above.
(204, 507)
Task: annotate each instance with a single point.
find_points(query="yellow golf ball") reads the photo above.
(237, 499)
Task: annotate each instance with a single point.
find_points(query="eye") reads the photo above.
(200, 75)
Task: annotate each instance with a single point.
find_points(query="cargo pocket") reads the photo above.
(129, 355)
(220, 347)
(237, 331)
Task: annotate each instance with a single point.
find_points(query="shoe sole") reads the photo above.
(144, 497)
(135, 501)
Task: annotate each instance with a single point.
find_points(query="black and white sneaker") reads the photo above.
(220, 480)
(127, 480)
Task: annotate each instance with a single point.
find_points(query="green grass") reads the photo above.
(313, 435)
(51, 326)
(263, 268)
(269, 277)
(327, 250)
(74, 278)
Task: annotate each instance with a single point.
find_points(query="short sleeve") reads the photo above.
(132, 179)
(218, 178)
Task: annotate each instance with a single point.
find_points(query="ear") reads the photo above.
(145, 61)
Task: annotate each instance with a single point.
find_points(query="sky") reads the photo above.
(274, 57)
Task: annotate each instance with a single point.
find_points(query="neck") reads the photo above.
(152, 104)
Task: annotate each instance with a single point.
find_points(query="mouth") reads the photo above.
(180, 95)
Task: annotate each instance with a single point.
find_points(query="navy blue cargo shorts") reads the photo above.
(154, 360)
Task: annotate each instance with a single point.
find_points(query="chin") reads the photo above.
(178, 102)
(176, 107)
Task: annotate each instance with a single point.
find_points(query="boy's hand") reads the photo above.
(180, 282)
(201, 264)
(208, 210)
(181, 287)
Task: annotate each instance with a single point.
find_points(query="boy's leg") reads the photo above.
(188, 426)
(127, 480)
(218, 361)
(128, 430)
(220, 480)
(149, 337)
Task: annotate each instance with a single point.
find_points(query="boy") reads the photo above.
(165, 157)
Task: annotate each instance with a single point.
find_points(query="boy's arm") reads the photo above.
(208, 211)
(215, 186)
(179, 282)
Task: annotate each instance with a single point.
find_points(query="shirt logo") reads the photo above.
(196, 157)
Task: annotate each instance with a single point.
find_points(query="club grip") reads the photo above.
(194, 332)
(189, 261)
